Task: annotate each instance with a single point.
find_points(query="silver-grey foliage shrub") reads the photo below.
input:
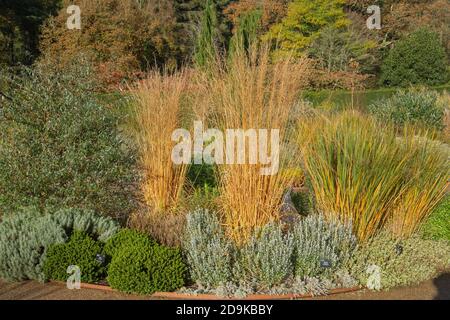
(267, 258)
(319, 242)
(26, 235)
(208, 251)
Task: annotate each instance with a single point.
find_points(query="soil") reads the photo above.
(436, 289)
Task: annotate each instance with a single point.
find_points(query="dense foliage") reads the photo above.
(400, 262)
(139, 265)
(420, 107)
(438, 224)
(419, 58)
(60, 145)
(82, 251)
(25, 237)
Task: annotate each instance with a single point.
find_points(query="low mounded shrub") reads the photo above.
(124, 238)
(266, 259)
(318, 242)
(81, 250)
(87, 221)
(139, 265)
(401, 262)
(24, 240)
(208, 251)
(420, 107)
(25, 237)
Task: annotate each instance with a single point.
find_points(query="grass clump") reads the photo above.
(249, 93)
(156, 106)
(359, 171)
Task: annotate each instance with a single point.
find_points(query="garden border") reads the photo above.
(185, 296)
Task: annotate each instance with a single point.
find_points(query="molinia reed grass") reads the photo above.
(361, 172)
(251, 93)
(157, 102)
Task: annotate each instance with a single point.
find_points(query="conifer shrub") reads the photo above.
(82, 251)
(417, 59)
(139, 265)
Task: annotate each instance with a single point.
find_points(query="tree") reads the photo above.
(272, 11)
(206, 46)
(189, 15)
(20, 23)
(122, 37)
(304, 22)
(417, 59)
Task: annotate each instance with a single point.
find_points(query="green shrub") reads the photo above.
(317, 242)
(266, 260)
(125, 238)
(417, 106)
(208, 251)
(81, 250)
(417, 59)
(60, 145)
(401, 262)
(438, 224)
(141, 266)
(26, 235)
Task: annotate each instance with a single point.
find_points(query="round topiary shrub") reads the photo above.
(139, 265)
(126, 237)
(417, 59)
(82, 251)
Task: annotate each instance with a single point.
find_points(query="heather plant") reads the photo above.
(321, 246)
(209, 253)
(421, 107)
(266, 259)
(82, 251)
(401, 262)
(60, 145)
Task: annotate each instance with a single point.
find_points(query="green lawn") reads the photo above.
(340, 99)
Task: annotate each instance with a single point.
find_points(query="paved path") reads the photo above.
(438, 288)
